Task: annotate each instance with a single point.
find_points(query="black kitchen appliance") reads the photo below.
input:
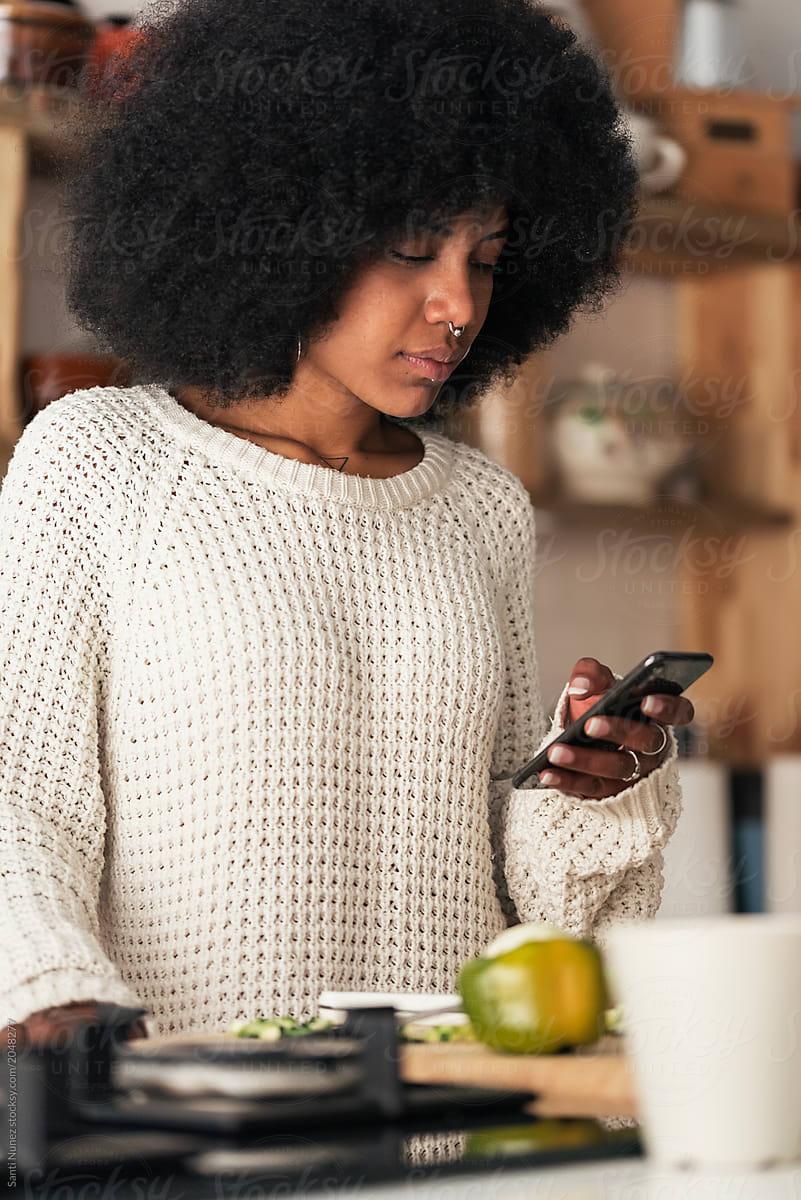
(211, 1115)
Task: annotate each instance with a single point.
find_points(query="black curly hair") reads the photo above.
(245, 160)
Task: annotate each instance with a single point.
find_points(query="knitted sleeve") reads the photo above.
(52, 809)
(578, 864)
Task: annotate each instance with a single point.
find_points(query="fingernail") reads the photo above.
(579, 687)
(650, 705)
(548, 778)
(596, 727)
(561, 754)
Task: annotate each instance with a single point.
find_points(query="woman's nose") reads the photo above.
(452, 298)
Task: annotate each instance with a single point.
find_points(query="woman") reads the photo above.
(267, 632)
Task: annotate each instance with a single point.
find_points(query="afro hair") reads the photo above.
(243, 161)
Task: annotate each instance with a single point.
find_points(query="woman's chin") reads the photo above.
(412, 405)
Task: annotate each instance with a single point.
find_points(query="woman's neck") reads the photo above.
(394, 451)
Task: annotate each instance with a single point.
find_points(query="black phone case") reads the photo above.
(622, 700)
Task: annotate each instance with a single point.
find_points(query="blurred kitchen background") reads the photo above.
(660, 439)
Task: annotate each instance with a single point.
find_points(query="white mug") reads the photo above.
(710, 46)
(712, 1025)
(660, 159)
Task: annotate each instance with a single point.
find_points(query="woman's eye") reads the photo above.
(486, 268)
(408, 257)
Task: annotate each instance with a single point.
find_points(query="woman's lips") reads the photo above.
(429, 367)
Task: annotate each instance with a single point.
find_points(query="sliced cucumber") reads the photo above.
(270, 1029)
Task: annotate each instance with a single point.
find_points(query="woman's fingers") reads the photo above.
(668, 710)
(589, 679)
(50, 1026)
(644, 738)
(609, 764)
(53, 1026)
(587, 772)
(584, 787)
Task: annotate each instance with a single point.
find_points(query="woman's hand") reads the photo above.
(594, 774)
(50, 1026)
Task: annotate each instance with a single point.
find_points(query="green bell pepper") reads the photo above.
(539, 998)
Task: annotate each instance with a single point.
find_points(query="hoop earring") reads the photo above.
(297, 360)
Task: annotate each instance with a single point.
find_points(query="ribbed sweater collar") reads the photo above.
(220, 446)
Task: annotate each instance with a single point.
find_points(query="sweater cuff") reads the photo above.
(65, 985)
(644, 800)
(559, 719)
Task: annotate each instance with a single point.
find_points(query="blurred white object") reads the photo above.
(425, 1007)
(782, 824)
(660, 159)
(571, 12)
(711, 1008)
(609, 448)
(698, 859)
(710, 53)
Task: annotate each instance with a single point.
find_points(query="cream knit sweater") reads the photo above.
(258, 719)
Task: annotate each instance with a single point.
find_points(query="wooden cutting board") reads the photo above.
(595, 1082)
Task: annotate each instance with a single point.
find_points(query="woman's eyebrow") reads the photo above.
(446, 229)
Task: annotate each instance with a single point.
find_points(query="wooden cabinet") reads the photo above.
(13, 172)
(32, 136)
(744, 604)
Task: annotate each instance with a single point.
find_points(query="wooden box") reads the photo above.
(739, 147)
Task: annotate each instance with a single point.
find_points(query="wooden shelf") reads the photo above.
(6, 454)
(671, 235)
(42, 113)
(667, 512)
(677, 237)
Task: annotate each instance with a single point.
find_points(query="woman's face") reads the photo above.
(400, 306)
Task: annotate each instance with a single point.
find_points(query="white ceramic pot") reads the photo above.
(602, 455)
(660, 160)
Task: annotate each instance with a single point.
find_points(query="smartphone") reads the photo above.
(665, 671)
